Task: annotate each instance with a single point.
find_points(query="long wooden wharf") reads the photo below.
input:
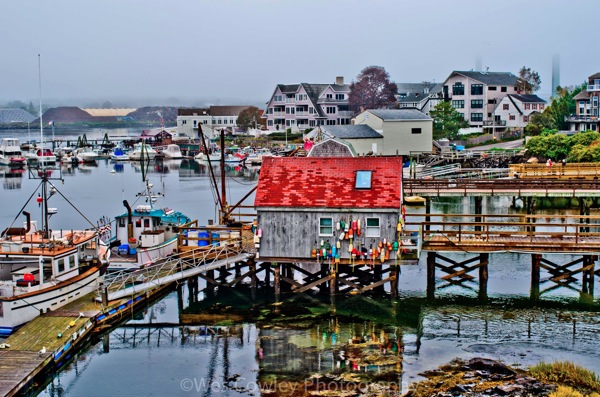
(513, 187)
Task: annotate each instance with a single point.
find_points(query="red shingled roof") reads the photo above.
(328, 182)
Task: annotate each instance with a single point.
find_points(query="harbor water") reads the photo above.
(262, 347)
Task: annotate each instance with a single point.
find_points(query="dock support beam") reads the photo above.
(277, 271)
(333, 285)
(394, 273)
(457, 273)
(478, 211)
(534, 294)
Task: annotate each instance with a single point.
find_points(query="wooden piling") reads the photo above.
(277, 271)
(333, 282)
(395, 273)
(430, 275)
(483, 276)
(535, 276)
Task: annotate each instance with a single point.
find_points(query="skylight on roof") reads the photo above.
(363, 179)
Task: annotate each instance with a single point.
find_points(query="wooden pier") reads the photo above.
(39, 344)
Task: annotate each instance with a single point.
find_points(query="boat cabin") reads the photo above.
(149, 226)
(338, 208)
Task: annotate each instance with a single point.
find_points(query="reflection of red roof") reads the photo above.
(328, 182)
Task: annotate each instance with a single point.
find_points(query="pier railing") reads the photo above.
(556, 171)
(159, 273)
(490, 233)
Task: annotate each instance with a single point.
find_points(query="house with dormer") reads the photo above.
(476, 95)
(302, 106)
(422, 96)
(514, 110)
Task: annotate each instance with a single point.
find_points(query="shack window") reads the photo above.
(325, 227)
(363, 179)
(373, 227)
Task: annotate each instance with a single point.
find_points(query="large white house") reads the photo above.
(302, 106)
(514, 110)
(214, 117)
(476, 94)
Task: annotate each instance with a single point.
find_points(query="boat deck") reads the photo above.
(20, 362)
(35, 245)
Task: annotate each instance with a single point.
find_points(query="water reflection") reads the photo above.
(11, 177)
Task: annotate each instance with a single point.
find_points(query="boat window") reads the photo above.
(372, 227)
(138, 223)
(60, 265)
(325, 227)
(121, 222)
(146, 222)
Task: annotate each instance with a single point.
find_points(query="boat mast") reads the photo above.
(44, 203)
(223, 217)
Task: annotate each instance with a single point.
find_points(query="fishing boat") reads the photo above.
(172, 151)
(119, 155)
(144, 234)
(10, 153)
(43, 269)
(40, 156)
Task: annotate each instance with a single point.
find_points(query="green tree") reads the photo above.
(553, 116)
(249, 118)
(372, 90)
(447, 121)
(529, 81)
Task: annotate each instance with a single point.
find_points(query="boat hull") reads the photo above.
(20, 309)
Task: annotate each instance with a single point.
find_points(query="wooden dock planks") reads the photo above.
(22, 361)
(17, 368)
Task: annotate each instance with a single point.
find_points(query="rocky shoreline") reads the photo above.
(481, 377)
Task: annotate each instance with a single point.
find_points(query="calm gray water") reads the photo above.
(158, 357)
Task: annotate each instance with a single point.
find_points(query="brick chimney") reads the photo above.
(339, 80)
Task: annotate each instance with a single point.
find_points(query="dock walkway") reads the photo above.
(37, 344)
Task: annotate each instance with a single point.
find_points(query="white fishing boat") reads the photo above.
(144, 234)
(142, 151)
(172, 151)
(10, 152)
(44, 269)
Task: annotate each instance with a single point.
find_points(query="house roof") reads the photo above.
(490, 78)
(527, 98)
(361, 131)
(226, 110)
(328, 182)
(399, 114)
(594, 76)
(582, 95)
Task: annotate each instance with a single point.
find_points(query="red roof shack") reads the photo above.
(341, 207)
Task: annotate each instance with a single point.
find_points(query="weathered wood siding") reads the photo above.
(293, 233)
(331, 148)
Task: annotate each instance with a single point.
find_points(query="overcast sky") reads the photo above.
(159, 52)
